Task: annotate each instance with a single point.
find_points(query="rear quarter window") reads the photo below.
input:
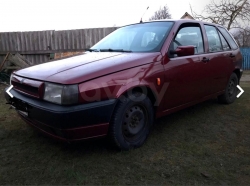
(228, 38)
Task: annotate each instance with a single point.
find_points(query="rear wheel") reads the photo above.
(131, 121)
(231, 90)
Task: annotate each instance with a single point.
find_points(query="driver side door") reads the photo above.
(187, 76)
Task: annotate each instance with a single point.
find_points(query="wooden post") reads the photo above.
(1, 66)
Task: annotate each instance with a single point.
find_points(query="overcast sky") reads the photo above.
(32, 15)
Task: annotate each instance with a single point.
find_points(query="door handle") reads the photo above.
(232, 55)
(205, 59)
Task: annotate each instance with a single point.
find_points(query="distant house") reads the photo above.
(187, 16)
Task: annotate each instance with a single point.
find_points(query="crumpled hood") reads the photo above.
(87, 66)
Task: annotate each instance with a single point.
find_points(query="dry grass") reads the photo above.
(246, 72)
(205, 144)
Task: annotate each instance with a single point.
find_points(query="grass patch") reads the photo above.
(246, 72)
(204, 144)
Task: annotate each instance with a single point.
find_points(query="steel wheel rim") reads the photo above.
(134, 122)
(231, 88)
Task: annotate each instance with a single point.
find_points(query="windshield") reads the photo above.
(143, 37)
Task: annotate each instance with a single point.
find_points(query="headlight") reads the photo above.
(61, 94)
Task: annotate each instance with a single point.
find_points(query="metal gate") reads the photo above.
(246, 58)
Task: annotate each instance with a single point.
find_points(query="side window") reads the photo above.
(189, 35)
(228, 38)
(225, 45)
(213, 39)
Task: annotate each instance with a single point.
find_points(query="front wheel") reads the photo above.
(131, 122)
(231, 90)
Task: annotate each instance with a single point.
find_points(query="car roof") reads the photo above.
(180, 21)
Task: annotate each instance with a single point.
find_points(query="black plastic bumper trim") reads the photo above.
(64, 117)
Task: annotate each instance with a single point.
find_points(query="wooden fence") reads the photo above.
(38, 46)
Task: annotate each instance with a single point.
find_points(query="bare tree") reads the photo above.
(162, 13)
(242, 36)
(229, 13)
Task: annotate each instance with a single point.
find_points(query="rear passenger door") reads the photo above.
(219, 57)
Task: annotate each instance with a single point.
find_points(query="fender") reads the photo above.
(114, 85)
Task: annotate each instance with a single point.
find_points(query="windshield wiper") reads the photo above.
(91, 50)
(114, 50)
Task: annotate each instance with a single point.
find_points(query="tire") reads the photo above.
(231, 90)
(131, 121)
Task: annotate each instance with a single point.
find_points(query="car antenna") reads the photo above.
(143, 14)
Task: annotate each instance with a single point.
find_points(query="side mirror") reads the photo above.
(183, 51)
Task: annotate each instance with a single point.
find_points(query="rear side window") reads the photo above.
(225, 45)
(228, 38)
(214, 42)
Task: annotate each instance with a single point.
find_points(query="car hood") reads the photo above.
(87, 66)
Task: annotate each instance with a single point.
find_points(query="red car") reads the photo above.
(136, 74)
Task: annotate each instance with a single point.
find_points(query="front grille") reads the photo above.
(28, 86)
(25, 88)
